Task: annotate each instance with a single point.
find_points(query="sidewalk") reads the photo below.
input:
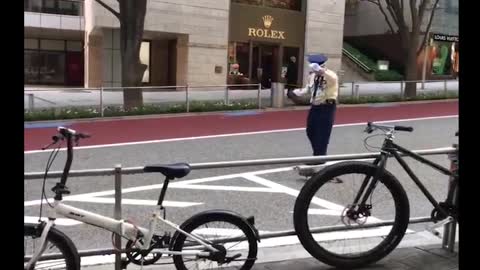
(430, 257)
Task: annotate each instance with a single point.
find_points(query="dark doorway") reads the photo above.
(265, 58)
(74, 69)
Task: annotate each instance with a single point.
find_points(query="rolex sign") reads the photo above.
(266, 32)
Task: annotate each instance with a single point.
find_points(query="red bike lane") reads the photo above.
(36, 135)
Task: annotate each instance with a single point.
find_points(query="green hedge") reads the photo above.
(380, 75)
(208, 106)
(111, 111)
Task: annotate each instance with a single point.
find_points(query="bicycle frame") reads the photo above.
(390, 148)
(120, 227)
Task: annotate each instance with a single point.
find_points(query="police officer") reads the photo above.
(323, 106)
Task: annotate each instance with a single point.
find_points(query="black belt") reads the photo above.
(327, 102)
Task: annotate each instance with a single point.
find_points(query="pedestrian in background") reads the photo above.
(323, 106)
(291, 76)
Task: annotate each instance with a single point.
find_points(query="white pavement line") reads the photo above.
(292, 192)
(134, 202)
(180, 184)
(235, 134)
(226, 188)
(58, 221)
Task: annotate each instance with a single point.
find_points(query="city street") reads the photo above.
(266, 192)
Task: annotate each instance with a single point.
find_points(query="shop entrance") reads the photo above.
(266, 63)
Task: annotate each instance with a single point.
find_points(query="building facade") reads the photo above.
(365, 27)
(195, 42)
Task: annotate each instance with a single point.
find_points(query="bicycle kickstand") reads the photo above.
(432, 228)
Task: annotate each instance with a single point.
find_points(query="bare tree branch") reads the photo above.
(429, 25)
(386, 19)
(114, 12)
(414, 14)
(377, 3)
(392, 13)
(421, 10)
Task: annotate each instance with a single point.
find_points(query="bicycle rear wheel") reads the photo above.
(60, 253)
(216, 228)
(352, 240)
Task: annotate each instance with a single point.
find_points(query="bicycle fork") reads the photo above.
(43, 243)
(369, 184)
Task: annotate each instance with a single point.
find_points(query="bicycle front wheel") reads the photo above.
(60, 253)
(227, 232)
(344, 238)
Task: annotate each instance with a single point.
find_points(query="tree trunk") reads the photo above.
(131, 34)
(411, 67)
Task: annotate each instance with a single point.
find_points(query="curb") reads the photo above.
(269, 109)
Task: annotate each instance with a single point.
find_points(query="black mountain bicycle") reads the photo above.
(369, 209)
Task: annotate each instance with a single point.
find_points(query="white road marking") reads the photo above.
(58, 221)
(227, 188)
(134, 201)
(235, 134)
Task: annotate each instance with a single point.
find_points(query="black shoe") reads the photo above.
(315, 163)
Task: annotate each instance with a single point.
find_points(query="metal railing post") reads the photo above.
(449, 233)
(118, 214)
(445, 87)
(186, 97)
(401, 90)
(31, 102)
(357, 92)
(353, 89)
(259, 96)
(101, 101)
(226, 96)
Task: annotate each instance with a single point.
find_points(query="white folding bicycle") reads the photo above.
(192, 244)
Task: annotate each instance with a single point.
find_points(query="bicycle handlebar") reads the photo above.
(372, 127)
(71, 136)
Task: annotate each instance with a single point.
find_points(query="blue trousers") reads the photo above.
(319, 127)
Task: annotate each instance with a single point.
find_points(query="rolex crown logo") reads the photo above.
(267, 21)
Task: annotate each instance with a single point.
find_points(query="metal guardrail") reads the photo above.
(175, 92)
(118, 171)
(172, 88)
(356, 60)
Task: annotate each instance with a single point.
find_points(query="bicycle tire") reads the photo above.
(57, 239)
(386, 245)
(190, 225)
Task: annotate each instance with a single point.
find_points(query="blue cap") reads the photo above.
(317, 58)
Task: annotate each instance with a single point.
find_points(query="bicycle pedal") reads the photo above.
(432, 228)
(434, 232)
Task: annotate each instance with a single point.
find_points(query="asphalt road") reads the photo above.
(268, 195)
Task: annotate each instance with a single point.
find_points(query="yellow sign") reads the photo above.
(266, 32)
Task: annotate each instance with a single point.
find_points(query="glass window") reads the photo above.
(285, 4)
(32, 5)
(145, 59)
(30, 64)
(242, 57)
(30, 43)
(74, 46)
(52, 68)
(249, 2)
(65, 7)
(52, 45)
(442, 57)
